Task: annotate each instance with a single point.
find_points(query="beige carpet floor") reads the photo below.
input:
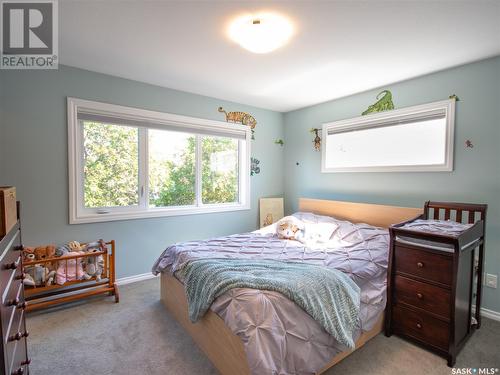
(138, 336)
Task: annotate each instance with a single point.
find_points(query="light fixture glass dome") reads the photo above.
(261, 33)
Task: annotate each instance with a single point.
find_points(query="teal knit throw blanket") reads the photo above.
(329, 296)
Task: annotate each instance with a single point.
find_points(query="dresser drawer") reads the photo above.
(423, 264)
(15, 342)
(422, 295)
(11, 295)
(421, 326)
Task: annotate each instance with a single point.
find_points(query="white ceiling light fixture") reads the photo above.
(261, 33)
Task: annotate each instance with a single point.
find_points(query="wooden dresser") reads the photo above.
(431, 290)
(14, 359)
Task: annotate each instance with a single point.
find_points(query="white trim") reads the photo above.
(135, 278)
(369, 121)
(487, 313)
(161, 120)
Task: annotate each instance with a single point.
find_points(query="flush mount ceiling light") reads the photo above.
(261, 33)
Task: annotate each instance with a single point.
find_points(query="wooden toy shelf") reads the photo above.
(38, 297)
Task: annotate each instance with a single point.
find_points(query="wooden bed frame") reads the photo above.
(224, 348)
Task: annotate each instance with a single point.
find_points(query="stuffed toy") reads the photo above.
(290, 228)
(44, 252)
(28, 254)
(94, 265)
(76, 246)
(71, 269)
(61, 250)
(38, 275)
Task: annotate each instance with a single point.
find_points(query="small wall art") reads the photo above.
(271, 210)
(240, 118)
(317, 138)
(384, 103)
(254, 166)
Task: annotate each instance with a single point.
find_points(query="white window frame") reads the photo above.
(381, 118)
(158, 120)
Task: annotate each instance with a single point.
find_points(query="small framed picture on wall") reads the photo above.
(271, 210)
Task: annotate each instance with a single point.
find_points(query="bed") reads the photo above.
(215, 332)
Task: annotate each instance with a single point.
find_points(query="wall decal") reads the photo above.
(384, 103)
(317, 138)
(240, 118)
(454, 97)
(468, 143)
(279, 142)
(254, 166)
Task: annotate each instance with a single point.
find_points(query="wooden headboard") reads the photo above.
(374, 214)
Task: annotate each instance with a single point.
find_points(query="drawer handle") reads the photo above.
(12, 302)
(19, 371)
(420, 265)
(10, 266)
(18, 336)
(419, 326)
(21, 305)
(420, 295)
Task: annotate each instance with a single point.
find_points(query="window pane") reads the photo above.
(111, 165)
(220, 170)
(418, 143)
(171, 168)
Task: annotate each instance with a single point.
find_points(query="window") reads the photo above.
(416, 138)
(127, 163)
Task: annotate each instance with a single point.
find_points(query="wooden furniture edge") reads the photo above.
(43, 297)
(373, 214)
(224, 349)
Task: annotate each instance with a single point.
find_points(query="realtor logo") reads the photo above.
(29, 37)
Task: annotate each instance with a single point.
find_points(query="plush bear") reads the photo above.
(28, 254)
(290, 228)
(38, 274)
(94, 265)
(44, 252)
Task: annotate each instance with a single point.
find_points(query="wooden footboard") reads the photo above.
(220, 345)
(211, 334)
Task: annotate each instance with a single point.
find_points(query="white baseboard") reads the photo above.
(491, 314)
(135, 278)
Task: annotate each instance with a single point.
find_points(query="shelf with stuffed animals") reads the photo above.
(54, 275)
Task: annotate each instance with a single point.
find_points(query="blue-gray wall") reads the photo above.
(476, 177)
(33, 157)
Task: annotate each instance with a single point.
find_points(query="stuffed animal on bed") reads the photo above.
(290, 228)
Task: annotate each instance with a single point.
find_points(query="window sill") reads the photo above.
(154, 213)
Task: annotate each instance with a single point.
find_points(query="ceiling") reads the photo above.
(340, 47)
